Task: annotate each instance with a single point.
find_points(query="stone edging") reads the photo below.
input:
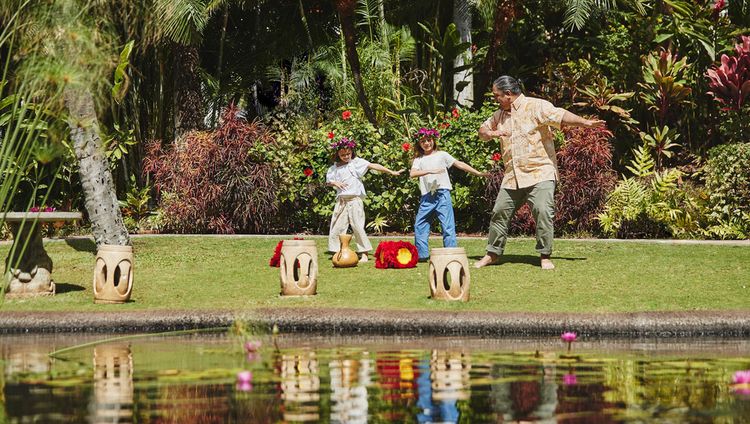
(735, 324)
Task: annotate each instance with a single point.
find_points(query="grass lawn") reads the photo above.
(204, 272)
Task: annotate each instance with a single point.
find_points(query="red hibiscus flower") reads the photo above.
(406, 147)
(346, 115)
(307, 171)
(330, 135)
(496, 157)
(395, 254)
(455, 113)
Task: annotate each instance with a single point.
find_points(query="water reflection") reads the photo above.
(350, 376)
(300, 386)
(193, 380)
(113, 384)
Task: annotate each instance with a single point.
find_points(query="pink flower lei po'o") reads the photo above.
(343, 143)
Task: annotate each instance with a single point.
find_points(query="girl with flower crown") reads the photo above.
(345, 175)
(431, 167)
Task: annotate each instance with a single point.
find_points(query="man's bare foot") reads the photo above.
(547, 262)
(488, 259)
(364, 258)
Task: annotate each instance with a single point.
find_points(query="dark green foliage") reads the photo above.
(727, 176)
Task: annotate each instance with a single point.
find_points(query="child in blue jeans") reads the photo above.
(431, 166)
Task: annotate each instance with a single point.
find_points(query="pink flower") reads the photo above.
(49, 209)
(252, 356)
(406, 147)
(330, 135)
(345, 115)
(569, 336)
(719, 5)
(244, 381)
(496, 156)
(570, 380)
(308, 171)
(252, 346)
(455, 113)
(34, 209)
(741, 377)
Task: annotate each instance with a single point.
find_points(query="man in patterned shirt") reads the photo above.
(524, 127)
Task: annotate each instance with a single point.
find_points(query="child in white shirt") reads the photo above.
(345, 175)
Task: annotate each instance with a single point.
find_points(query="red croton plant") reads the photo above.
(730, 82)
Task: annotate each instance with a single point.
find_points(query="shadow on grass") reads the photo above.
(82, 244)
(526, 259)
(67, 288)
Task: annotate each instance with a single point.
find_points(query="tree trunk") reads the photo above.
(188, 101)
(462, 17)
(96, 179)
(506, 12)
(345, 9)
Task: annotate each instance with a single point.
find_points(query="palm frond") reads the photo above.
(181, 21)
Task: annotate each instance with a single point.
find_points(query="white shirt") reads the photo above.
(350, 174)
(431, 182)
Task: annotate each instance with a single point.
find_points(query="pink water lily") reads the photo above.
(244, 381)
(741, 377)
(570, 380)
(569, 336)
(252, 346)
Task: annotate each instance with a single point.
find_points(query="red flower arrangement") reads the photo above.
(396, 254)
(276, 258)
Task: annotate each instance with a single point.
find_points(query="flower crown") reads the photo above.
(427, 133)
(344, 143)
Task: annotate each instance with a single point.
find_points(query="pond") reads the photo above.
(201, 378)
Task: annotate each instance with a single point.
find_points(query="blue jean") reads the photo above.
(430, 204)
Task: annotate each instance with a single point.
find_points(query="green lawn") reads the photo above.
(204, 272)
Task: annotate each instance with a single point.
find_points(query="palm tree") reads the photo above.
(181, 24)
(578, 12)
(505, 13)
(346, 10)
(55, 33)
(463, 80)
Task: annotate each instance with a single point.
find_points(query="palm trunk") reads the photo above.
(506, 12)
(462, 17)
(96, 179)
(345, 9)
(188, 101)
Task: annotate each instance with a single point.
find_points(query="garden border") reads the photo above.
(728, 324)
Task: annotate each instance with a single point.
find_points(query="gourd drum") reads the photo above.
(449, 274)
(298, 268)
(113, 274)
(345, 257)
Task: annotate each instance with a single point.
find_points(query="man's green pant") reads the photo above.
(541, 198)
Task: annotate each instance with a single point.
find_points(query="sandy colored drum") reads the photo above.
(113, 274)
(298, 268)
(449, 274)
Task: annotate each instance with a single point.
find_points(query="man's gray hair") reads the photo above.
(507, 83)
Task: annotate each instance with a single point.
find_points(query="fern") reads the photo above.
(643, 163)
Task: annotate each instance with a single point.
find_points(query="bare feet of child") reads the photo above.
(547, 262)
(364, 258)
(488, 259)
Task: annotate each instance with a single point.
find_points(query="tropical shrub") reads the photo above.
(214, 184)
(653, 203)
(586, 177)
(727, 175)
(729, 84)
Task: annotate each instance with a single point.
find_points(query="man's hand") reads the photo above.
(594, 123)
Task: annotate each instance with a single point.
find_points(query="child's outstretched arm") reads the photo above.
(381, 168)
(468, 168)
